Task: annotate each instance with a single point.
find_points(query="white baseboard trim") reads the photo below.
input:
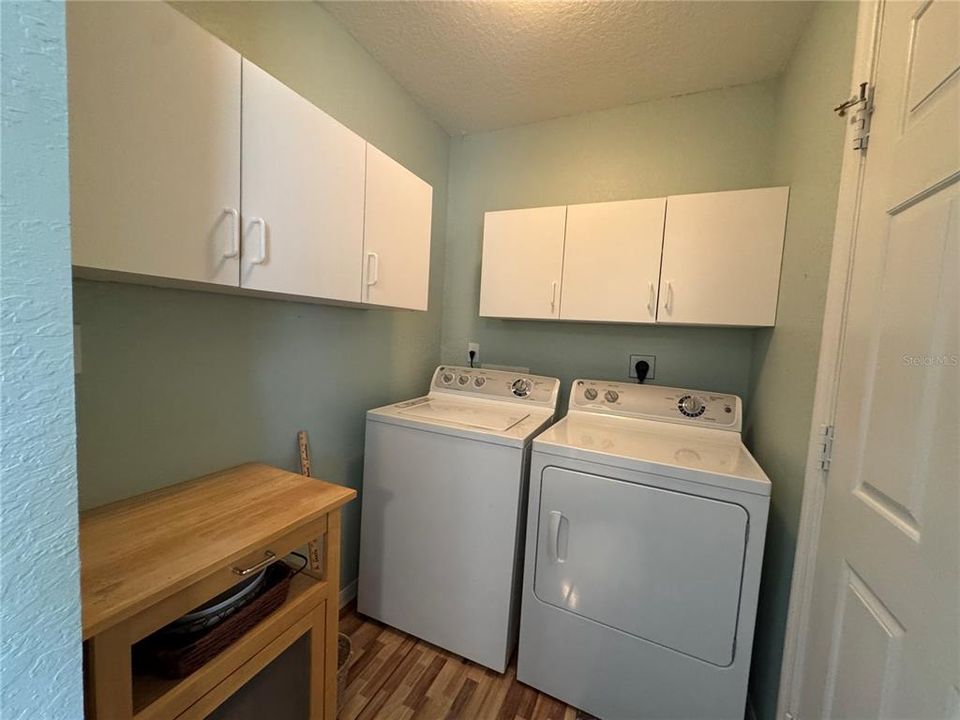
(347, 593)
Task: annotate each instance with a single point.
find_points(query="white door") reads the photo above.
(522, 263)
(154, 143)
(721, 257)
(396, 235)
(302, 194)
(884, 633)
(611, 261)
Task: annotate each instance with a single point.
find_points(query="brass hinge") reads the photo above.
(826, 447)
(862, 106)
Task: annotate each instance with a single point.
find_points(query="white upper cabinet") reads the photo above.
(707, 259)
(721, 257)
(396, 235)
(611, 261)
(154, 143)
(303, 186)
(522, 263)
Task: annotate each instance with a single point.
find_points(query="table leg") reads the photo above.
(331, 573)
(109, 678)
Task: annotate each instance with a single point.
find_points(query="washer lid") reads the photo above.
(473, 415)
(502, 423)
(712, 457)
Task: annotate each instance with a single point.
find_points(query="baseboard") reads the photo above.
(348, 593)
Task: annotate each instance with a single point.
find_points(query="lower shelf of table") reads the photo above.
(156, 698)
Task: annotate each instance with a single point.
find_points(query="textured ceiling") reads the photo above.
(486, 65)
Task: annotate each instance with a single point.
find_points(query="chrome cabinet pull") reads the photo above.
(268, 559)
(652, 301)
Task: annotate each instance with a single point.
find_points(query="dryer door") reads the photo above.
(661, 565)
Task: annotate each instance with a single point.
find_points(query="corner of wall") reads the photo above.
(40, 635)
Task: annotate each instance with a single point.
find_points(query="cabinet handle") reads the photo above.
(553, 297)
(233, 249)
(652, 300)
(373, 270)
(556, 519)
(668, 303)
(268, 559)
(263, 241)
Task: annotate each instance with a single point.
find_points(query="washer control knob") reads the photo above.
(590, 394)
(463, 380)
(479, 381)
(446, 378)
(611, 396)
(691, 406)
(521, 387)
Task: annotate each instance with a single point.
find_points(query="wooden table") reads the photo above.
(146, 561)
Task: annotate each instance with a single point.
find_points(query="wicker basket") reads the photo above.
(344, 650)
(176, 656)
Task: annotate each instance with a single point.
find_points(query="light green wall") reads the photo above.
(720, 140)
(40, 635)
(176, 383)
(807, 156)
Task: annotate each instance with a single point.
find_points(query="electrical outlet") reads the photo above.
(632, 372)
(475, 348)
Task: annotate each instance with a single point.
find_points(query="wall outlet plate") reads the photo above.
(475, 347)
(652, 359)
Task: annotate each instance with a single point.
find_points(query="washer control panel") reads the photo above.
(652, 402)
(496, 385)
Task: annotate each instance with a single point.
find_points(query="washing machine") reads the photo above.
(443, 509)
(645, 534)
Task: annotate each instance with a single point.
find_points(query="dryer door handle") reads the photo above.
(558, 549)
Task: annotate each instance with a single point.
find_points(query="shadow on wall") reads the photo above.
(176, 384)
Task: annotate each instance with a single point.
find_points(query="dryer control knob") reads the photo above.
(521, 387)
(611, 396)
(691, 406)
(590, 394)
(446, 378)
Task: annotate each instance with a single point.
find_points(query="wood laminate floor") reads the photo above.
(394, 675)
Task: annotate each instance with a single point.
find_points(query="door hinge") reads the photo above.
(826, 447)
(862, 107)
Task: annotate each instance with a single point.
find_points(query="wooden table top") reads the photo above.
(137, 552)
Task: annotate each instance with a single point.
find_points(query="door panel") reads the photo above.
(303, 176)
(865, 657)
(396, 236)
(611, 261)
(661, 565)
(522, 263)
(884, 632)
(154, 143)
(721, 257)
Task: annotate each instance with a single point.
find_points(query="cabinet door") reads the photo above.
(154, 143)
(522, 263)
(611, 261)
(721, 257)
(302, 194)
(396, 235)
